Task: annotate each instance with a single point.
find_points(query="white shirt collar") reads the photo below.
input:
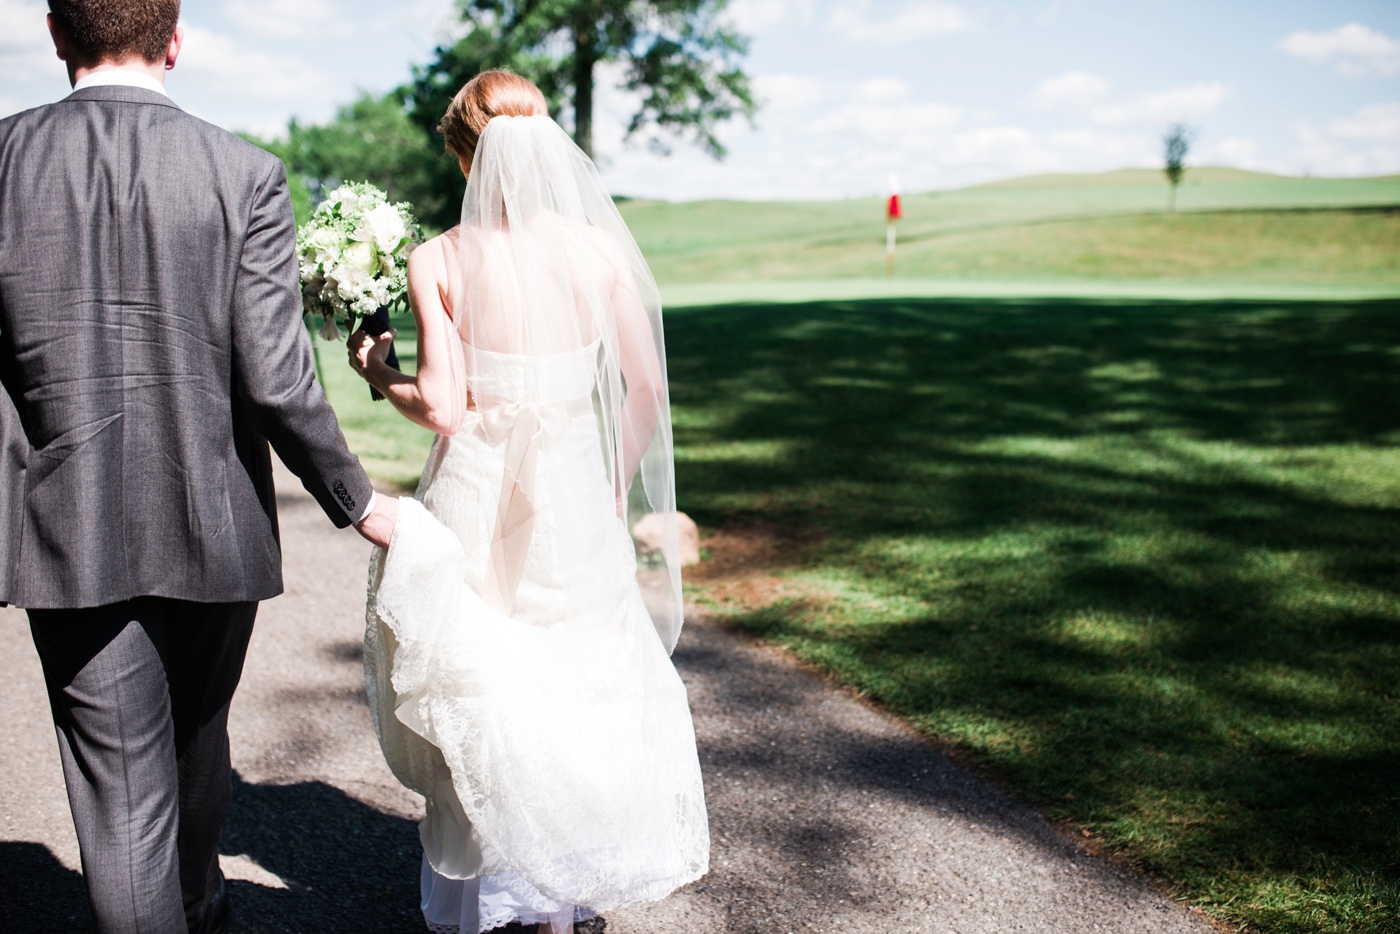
(120, 77)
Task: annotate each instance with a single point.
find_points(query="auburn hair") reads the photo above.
(489, 94)
(117, 30)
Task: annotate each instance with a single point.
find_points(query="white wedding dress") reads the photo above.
(517, 680)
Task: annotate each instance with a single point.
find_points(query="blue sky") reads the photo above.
(940, 94)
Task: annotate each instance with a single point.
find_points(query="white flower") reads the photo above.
(328, 329)
(325, 239)
(325, 244)
(345, 196)
(360, 257)
(347, 282)
(380, 293)
(385, 227)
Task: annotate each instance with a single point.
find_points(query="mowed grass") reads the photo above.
(1140, 559)
(1230, 227)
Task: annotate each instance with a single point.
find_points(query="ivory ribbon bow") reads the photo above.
(522, 426)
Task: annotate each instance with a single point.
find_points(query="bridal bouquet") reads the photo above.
(354, 260)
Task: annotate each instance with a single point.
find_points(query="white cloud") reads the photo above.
(985, 153)
(287, 20)
(752, 17)
(1176, 104)
(1051, 14)
(1378, 122)
(889, 122)
(917, 19)
(879, 110)
(26, 51)
(877, 90)
(833, 138)
(994, 144)
(787, 92)
(1353, 49)
(228, 68)
(1237, 152)
(1086, 96)
(1074, 90)
(437, 18)
(1366, 142)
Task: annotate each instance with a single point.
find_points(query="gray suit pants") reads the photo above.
(140, 695)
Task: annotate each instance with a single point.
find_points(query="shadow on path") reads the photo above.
(347, 866)
(39, 894)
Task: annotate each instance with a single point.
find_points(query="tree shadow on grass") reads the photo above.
(1144, 557)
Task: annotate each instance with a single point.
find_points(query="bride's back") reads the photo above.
(559, 321)
(539, 291)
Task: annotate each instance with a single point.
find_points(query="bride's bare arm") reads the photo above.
(641, 368)
(434, 397)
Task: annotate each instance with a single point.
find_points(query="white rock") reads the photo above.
(650, 528)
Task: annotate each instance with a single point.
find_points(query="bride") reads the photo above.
(517, 658)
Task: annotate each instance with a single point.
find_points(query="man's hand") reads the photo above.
(378, 526)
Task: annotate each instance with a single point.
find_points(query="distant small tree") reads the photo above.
(1178, 143)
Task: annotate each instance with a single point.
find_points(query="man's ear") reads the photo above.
(172, 52)
(59, 34)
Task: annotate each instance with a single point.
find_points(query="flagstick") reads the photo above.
(893, 213)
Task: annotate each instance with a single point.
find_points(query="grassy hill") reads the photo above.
(1230, 226)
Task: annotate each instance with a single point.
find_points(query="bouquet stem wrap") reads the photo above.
(375, 325)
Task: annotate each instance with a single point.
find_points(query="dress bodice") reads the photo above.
(528, 378)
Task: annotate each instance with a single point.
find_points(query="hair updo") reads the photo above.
(489, 94)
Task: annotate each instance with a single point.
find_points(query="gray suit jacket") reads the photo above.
(151, 344)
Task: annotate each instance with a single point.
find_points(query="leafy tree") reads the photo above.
(302, 202)
(1178, 143)
(371, 140)
(676, 55)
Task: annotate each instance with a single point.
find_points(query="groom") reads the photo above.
(151, 345)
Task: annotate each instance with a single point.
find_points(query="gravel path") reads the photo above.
(826, 815)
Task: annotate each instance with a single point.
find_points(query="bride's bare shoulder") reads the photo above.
(435, 254)
(435, 260)
(432, 266)
(608, 247)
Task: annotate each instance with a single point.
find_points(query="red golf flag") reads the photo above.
(894, 212)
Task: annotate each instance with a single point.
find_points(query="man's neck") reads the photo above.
(153, 70)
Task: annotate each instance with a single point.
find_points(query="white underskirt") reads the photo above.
(471, 906)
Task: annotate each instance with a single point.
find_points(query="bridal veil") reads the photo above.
(549, 268)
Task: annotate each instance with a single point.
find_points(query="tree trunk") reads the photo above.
(585, 57)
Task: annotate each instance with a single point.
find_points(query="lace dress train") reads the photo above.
(528, 697)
